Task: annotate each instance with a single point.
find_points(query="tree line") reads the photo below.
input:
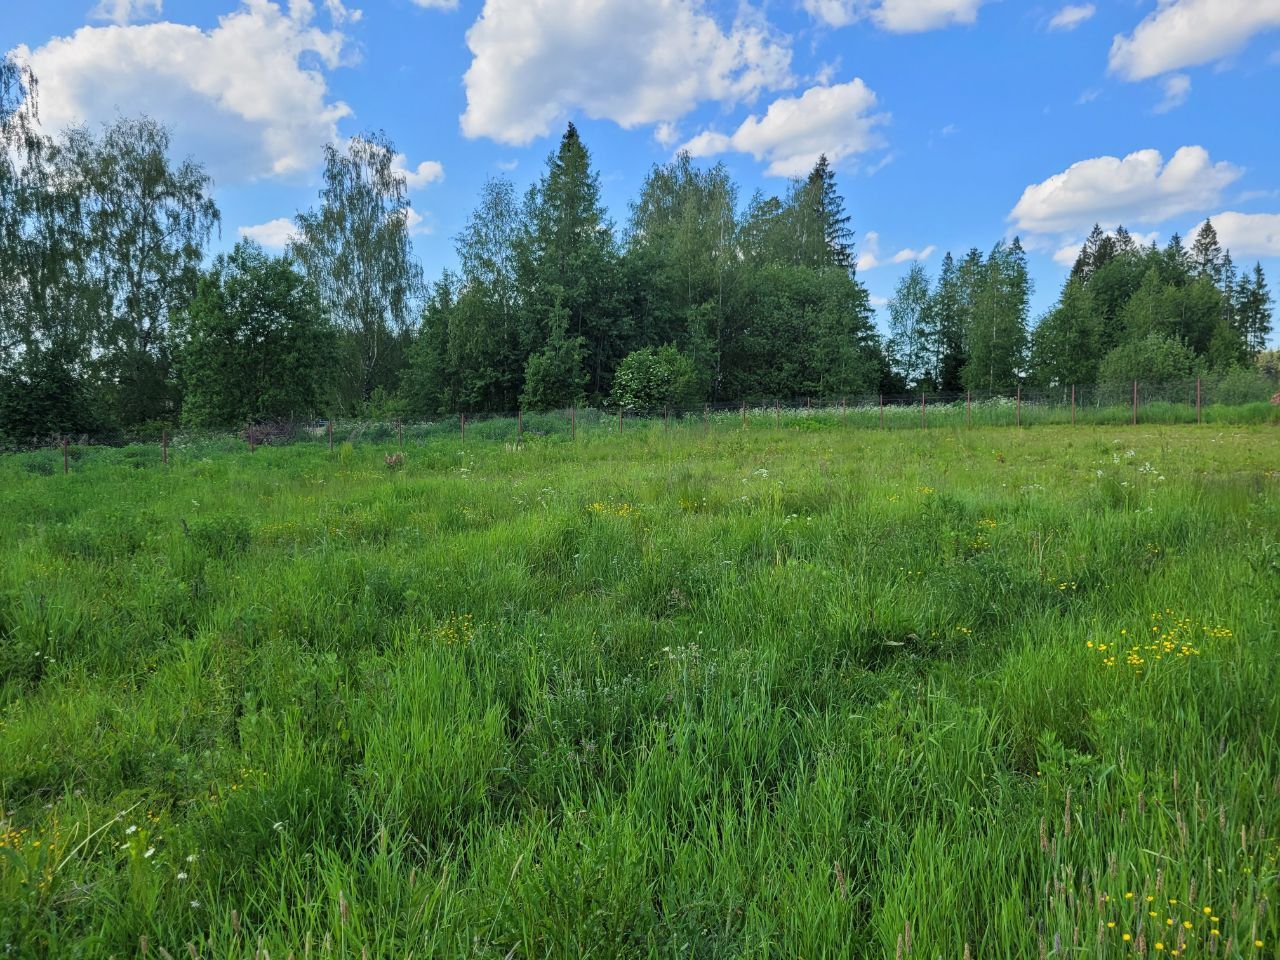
(113, 317)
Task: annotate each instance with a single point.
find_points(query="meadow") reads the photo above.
(805, 690)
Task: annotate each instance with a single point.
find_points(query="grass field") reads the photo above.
(817, 691)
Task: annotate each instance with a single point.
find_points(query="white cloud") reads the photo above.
(896, 16)
(126, 11)
(869, 257)
(1141, 188)
(535, 62)
(1185, 33)
(438, 4)
(275, 234)
(425, 173)
(248, 97)
(795, 131)
(1246, 234)
(666, 134)
(878, 302)
(1177, 87)
(417, 223)
(1066, 254)
(1072, 15)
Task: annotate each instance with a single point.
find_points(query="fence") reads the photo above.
(1190, 402)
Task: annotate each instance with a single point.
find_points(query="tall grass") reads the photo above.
(807, 689)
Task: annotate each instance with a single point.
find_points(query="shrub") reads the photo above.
(654, 377)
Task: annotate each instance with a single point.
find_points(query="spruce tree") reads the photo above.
(1206, 252)
(567, 262)
(1253, 310)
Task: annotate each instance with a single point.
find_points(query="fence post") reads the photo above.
(462, 426)
(573, 423)
(519, 425)
(968, 411)
(808, 403)
(744, 414)
(666, 419)
(706, 422)
(844, 408)
(248, 432)
(922, 423)
(1135, 403)
(1198, 407)
(66, 467)
(619, 420)
(1018, 416)
(1073, 404)
(164, 447)
(882, 411)
(331, 435)
(777, 413)
(400, 433)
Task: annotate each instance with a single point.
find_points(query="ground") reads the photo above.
(817, 691)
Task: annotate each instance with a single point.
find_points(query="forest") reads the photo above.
(116, 319)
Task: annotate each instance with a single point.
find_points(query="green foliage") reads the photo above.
(356, 250)
(553, 377)
(255, 344)
(1154, 359)
(651, 379)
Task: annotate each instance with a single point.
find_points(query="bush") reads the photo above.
(1240, 385)
(652, 378)
(1153, 359)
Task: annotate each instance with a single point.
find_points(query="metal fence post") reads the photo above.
(619, 420)
(164, 447)
(1018, 419)
(968, 410)
(462, 426)
(519, 425)
(66, 467)
(331, 436)
(744, 414)
(573, 423)
(1073, 404)
(882, 411)
(399, 433)
(1199, 409)
(922, 423)
(1135, 403)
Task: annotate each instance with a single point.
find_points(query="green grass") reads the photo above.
(818, 691)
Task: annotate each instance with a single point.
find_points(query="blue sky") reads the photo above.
(954, 123)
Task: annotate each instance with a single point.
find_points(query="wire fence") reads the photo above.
(1189, 402)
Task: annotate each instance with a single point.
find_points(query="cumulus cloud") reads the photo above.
(425, 173)
(1186, 33)
(794, 131)
(1246, 234)
(896, 16)
(869, 258)
(275, 234)
(1140, 188)
(437, 4)
(249, 97)
(1066, 254)
(534, 62)
(126, 11)
(1072, 15)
